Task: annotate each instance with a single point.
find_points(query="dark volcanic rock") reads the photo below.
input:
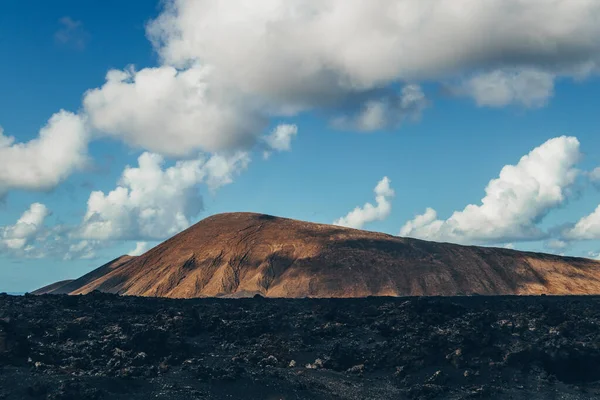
(102, 346)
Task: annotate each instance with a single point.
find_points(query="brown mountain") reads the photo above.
(240, 254)
(79, 285)
(53, 288)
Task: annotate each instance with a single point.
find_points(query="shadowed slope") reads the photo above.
(240, 254)
(77, 285)
(52, 288)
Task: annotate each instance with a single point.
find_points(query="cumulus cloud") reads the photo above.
(280, 139)
(227, 67)
(172, 112)
(387, 112)
(514, 202)
(285, 57)
(360, 216)
(29, 237)
(139, 249)
(526, 87)
(154, 203)
(82, 249)
(586, 228)
(427, 225)
(594, 175)
(17, 237)
(303, 53)
(44, 162)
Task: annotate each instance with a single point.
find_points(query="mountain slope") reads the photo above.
(240, 254)
(80, 285)
(53, 288)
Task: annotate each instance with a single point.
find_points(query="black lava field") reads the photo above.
(102, 346)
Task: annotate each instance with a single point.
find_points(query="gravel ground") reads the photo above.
(102, 346)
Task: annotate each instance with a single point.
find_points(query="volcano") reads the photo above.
(244, 254)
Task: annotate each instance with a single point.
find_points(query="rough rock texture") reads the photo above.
(241, 254)
(102, 346)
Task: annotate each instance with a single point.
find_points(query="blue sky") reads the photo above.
(439, 148)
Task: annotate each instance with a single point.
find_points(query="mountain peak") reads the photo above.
(243, 254)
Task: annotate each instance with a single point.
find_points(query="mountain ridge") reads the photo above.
(242, 254)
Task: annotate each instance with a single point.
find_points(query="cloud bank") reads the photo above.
(152, 202)
(18, 237)
(514, 202)
(29, 237)
(228, 68)
(338, 48)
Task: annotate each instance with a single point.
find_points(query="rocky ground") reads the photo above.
(102, 346)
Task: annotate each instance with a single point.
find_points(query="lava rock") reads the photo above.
(102, 346)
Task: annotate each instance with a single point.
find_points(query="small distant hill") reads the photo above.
(53, 288)
(82, 284)
(244, 254)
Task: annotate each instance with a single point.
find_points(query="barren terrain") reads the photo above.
(241, 254)
(103, 346)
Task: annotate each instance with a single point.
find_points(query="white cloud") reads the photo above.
(229, 66)
(280, 139)
(16, 237)
(29, 237)
(306, 53)
(154, 203)
(594, 175)
(527, 87)
(140, 248)
(360, 216)
(427, 225)
(82, 249)
(44, 162)
(514, 203)
(586, 228)
(150, 202)
(387, 112)
(172, 112)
